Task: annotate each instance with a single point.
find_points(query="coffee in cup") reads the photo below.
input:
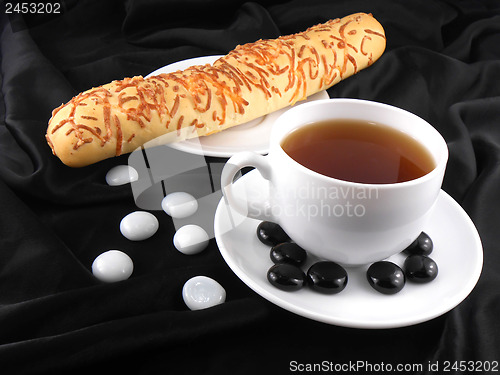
(358, 151)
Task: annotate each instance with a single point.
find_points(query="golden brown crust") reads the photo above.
(252, 80)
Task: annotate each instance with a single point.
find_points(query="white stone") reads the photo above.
(179, 205)
(121, 175)
(191, 239)
(201, 292)
(139, 225)
(112, 266)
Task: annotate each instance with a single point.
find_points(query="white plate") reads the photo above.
(251, 136)
(457, 252)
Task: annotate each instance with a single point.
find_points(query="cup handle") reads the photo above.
(255, 209)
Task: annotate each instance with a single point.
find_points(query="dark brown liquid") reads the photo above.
(358, 151)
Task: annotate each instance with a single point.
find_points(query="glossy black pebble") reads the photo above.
(271, 234)
(327, 277)
(286, 277)
(420, 268)
(421, 246)
(288, 252)
(386, 277)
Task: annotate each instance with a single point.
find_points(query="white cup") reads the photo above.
(346, 222)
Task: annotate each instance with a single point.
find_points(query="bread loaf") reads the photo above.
(252, 80)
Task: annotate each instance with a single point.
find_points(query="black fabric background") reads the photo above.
(442, 62)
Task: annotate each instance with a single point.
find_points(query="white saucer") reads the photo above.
(251, 136)
(457, 252)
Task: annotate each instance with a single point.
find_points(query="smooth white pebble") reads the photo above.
(179, 205)
(112, 266)
(121, 175)
(202, 292)
(191, 239)
(139, 225)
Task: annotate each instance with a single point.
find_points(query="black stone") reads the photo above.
(288, 252)
(420, 269)
(327, 277)
(386, 277)
(286, 277)
(421, 246)
(271, 234)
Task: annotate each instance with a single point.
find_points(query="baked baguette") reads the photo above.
(252, 80)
